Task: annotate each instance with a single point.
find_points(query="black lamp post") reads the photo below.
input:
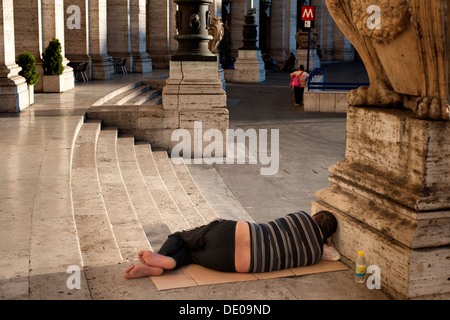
(193, 20)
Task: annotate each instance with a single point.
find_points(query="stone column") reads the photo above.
(291, 26)
(13, 88)
(194, 91)
(27, 28)
(119, 27)
(53, 25)
(158, 34)
(141, 62)
(283, 29)
(173, 31)
(278, 32)
(249, 66)
(238, 12)
(102, 67)
(390, 193)
(342, 48)
(77, 32)
(302, 51)
(328, 42)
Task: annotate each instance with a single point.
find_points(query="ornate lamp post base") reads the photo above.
(193, 20)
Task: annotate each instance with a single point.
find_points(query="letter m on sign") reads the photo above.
(308, 13)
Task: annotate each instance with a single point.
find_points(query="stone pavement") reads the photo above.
(309, 144)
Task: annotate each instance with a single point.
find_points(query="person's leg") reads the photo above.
(301, 92)
(297, 94)
(136, 272)
(176, 250)
(153, 259)
(173, 254)
(205, 243)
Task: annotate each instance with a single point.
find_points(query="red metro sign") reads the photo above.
(308, 13)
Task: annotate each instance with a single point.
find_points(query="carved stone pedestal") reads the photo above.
(249, 67)
(194, 92)
(302, 59)
(391, 198)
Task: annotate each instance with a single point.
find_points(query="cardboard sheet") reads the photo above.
(195, 275)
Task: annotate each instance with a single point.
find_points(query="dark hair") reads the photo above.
(327, 223)
(302, 68)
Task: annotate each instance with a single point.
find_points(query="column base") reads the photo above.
(389, 196)
(249, 67)
(142, 65)
(195, 92)
(102, 68)
(160, 60)
(13, 91)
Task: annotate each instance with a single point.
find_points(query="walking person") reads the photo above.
(298, 83)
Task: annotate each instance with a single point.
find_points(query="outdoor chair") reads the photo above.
(121, 65)
(79, 68)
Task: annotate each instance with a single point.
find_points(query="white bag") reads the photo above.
(330, 253)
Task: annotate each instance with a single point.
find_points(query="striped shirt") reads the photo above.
(288, 242)
(303, 77)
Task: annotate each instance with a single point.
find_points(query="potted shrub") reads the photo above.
(29, 71)
(53, 67)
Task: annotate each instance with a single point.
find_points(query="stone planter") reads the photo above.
(58, 84)
(31, 94)
(53, 84)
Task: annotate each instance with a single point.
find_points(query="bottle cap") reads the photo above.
(360, 253)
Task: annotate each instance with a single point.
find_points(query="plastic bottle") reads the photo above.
(360, 269)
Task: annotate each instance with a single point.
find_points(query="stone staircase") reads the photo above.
(142, 93)
(127, 197)
(98, 197)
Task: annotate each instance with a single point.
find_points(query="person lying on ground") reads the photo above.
(295, 240)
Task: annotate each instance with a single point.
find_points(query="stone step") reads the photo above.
(166, 205)
(125, 97)
(173, 185)
(104, 100)
(144, 97)
(156, 100)
(125, 224)
(193, 191)
(144, 205)
(54, 243)
(217, 193)
(97, 241)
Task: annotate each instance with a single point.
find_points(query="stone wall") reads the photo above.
(329, 101)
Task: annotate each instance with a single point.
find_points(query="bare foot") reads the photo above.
(152, 259)
(136, 272)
